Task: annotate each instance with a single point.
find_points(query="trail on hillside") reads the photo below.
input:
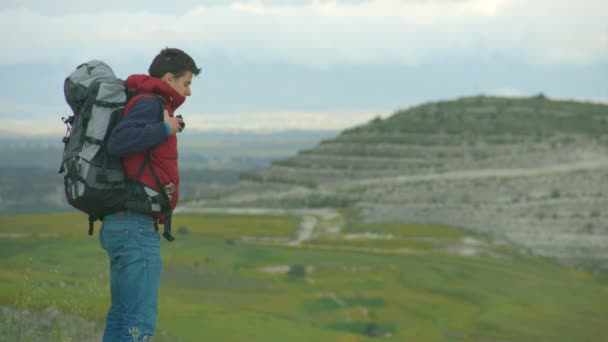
(312, 222)
(480, 174)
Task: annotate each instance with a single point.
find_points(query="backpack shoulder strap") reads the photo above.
(135, 95)
(132, 97)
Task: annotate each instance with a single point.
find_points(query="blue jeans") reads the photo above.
(133, 245)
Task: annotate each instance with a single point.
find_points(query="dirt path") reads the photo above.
(308, 225)
(313, 222)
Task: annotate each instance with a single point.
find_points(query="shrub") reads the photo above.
(183, 230)
(372, 330)
(297, 271)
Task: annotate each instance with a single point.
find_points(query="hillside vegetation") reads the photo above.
(528, 171)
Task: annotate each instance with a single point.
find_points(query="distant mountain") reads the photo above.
(529, 171)
(239, 150)
(30, 183)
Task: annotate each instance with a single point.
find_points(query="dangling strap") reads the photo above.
(91, 220)
(167, 230)
(167, 226)
(147, 161)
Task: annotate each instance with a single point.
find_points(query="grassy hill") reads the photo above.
(313, 275)
(529, 171)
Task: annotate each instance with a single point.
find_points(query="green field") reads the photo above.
(238, 278)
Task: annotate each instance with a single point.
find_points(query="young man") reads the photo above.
(131, 238)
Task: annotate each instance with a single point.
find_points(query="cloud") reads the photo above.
(243, 121)
(273, 121)
(319, 34)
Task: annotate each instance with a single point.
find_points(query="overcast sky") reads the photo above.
(306, 64)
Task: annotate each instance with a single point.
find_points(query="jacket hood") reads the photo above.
(145, 83)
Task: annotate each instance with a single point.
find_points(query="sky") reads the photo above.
(322, 65)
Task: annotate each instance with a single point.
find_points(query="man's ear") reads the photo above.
(168, 77)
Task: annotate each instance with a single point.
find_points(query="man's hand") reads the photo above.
(174, 123)
(182, 124)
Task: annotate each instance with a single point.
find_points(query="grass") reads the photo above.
(212, 287)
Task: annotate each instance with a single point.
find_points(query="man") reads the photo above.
(130, 237)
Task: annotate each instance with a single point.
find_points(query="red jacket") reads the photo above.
(146, 129)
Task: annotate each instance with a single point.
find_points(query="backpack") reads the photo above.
(94, 181)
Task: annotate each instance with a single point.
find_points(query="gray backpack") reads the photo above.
(94, 181)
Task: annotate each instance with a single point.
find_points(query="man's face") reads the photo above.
(180, 84)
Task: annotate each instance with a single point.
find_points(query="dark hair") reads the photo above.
(174, 61)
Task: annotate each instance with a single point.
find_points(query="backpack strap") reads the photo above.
(132, 96)
(91, 220)
(167, 228)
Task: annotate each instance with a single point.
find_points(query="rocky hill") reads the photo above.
(528, 171)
